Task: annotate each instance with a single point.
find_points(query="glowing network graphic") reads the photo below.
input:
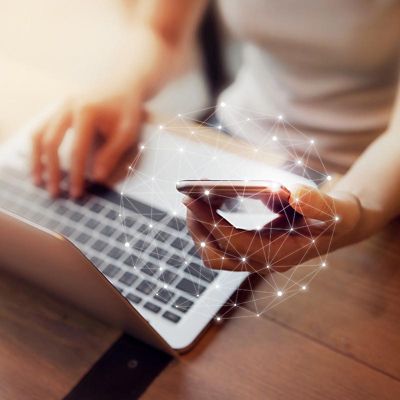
(272, 249)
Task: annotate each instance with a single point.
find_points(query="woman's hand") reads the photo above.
(323, 223)
(115, 119)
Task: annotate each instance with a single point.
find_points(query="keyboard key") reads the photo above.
(133, 298)
(194, 252)
(51, 224)
(76, 216)
(167, 276)
(96, 207)
(177, 223)
(190, 287)
(164, 296)
(179, 243)
(96, 261)
(152, 307)
(158, 253)
(124, 237)
(107, 231)
(162, 236)
(182, 304)
(144, 209)
(198, 271)
(171, 316)
(146, 287)
(129, 222)
(61, 210)
(112, 214)
(176, 261)
(141, 245)
(92, 223)
(131, 260)
(99, 245)
(67, 231)
(111, 270)
(128, 278)
(144, 229)
(150, 269)
(115, 253)
(83, 238)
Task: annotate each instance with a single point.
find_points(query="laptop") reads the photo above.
(124, 254)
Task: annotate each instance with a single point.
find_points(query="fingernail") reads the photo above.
(100, 173)
(74, 192)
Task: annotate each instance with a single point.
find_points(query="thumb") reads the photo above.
(342, 209)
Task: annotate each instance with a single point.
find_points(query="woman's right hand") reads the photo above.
(114, 118)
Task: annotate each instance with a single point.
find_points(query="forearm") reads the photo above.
(375, 180)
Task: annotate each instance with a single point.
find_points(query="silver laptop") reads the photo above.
(124, 254)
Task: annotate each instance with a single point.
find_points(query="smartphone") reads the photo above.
(273, 194)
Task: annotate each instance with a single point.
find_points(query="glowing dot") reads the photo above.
(165, 286)
(129, 167)
(179, 115)
(197, 295)
(323, 264)
(202, 244)
(235, 305)
(142, 147)
(120, 215)
(215, 225)
(258, 315)
(275, 187)
(312, 141)
(247, 119)
(328, 178)
(244, 259)
(299, 162)
(313, 241)
(126, 244)
(122, 193)
(222, 258)
(280, 117)
(291, 229)
(217, 286)
(160, 127)
(256, 150)
(337, 218)
(304, 287)
(152, 178)
(206, 192)
(223, 104)
(279, 293)
(150, 225)
(218, 318)
(160, 268)
(174, 212)
(258, 227)
(192, 132)
(274, 138)
(296, 199)
(268, 266)
(186, 263)
(219, 127)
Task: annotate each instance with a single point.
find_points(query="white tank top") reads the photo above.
(330, 67)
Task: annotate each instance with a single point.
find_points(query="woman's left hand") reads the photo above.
(323, 223)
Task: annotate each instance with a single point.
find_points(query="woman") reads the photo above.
(330, 67)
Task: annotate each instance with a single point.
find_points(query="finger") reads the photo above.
(229, 238)
(211, 255)
(341, 210)
(113, 150)
(51, 142)
(37, 164)
(84, 133)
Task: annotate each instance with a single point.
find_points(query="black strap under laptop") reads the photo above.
(123, 373)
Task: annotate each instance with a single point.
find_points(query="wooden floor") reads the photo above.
(340, 340)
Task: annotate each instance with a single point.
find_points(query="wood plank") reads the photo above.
(353, 305)
(45, 346)
(254, 358)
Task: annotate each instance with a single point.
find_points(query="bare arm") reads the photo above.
(375, 178)
(160, 31)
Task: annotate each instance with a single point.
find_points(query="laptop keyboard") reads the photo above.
(146, 253)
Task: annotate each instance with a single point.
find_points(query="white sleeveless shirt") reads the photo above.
(330, 67)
